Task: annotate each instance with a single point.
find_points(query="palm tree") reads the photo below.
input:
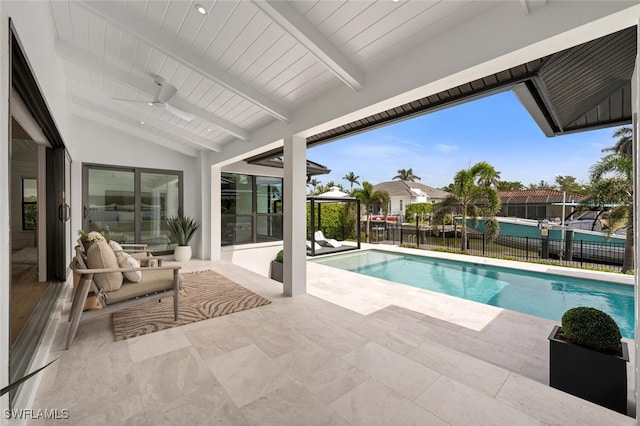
(612, 182)
(351, 178)
(368, 197)
(406, 175)
(314, 185)
(625, 142)
(472, 200)
(488, 176)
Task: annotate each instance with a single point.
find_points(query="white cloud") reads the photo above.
(443, 147)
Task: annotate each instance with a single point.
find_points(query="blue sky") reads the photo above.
(496, 129)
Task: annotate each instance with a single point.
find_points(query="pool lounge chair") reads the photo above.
(316, 246)
(327, 242)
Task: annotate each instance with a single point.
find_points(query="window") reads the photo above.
(29, 204)
(251, 208)
(400, 205)
(131, 205)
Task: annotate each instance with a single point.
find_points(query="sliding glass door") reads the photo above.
(160, 199)
(110, 203)
(130, 205)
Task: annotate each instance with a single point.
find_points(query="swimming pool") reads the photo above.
(543, 295)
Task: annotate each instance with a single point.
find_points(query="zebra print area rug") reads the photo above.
(203, 295)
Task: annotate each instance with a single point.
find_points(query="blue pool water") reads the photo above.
(543, 295)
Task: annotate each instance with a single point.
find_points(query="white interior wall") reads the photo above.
(99, 144)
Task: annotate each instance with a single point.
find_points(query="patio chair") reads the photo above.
(155, 284)
(327, 242)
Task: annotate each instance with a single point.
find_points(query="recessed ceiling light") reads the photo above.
(201, 10)
(142, 122)
(150, 103)
(395, 1)
(209, 129)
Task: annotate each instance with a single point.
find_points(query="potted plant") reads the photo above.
(588, 359)
(276, 267)
(181, 230)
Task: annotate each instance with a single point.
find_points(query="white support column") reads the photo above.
(295, 219)
(635, 108)
(206, 202)
(216, 215)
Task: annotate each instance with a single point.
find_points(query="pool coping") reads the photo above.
(610, 277)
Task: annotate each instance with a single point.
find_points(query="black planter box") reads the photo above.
(276, 271)
(588, 374)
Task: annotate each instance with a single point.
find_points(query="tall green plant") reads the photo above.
(406, 175)
(182, 229)
(612, 183)
(368, 197)
(472, 200)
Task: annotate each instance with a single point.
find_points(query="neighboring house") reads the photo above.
(537, 203)
(403, 193)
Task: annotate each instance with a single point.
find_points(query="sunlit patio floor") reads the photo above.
(354, 350)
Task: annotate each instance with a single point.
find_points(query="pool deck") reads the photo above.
(354, 350)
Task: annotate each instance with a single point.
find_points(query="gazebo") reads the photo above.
(334, 195)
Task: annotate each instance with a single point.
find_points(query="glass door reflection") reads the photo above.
(110, 207)
(160, 200)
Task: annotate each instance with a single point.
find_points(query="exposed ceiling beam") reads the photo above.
(133, 130)
(115, 109)
(290, 20)
(525, 7)
(179, 52)
(72, 54)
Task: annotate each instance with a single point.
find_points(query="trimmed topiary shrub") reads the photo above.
(591, 328)
(280, 257)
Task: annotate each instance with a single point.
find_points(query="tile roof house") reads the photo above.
(403, 193)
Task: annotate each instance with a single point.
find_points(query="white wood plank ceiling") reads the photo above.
(237, 68)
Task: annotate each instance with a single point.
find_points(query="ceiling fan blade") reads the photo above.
(133, 101)
(187, 116)
(167, 92)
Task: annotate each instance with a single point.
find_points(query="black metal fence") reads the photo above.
(567, 251)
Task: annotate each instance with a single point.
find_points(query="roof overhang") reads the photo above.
(582, 88)
(273, 158)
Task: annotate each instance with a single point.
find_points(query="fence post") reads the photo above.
(526, 246)
(568, 246)
(483, 243)
(581, 253)
(400, 234)
(545, 247)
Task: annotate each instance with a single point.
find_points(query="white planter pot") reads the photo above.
(182, 253)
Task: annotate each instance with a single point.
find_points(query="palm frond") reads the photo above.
(24, 379)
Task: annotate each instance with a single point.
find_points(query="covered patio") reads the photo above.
(353, 350)
(193, 92)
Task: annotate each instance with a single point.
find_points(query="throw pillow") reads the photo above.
(116, 247)
(101, 256)
(125, 260)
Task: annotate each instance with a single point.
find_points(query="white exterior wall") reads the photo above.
(254, 257)
(33, 25)
(395, 204)
(100, 144)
